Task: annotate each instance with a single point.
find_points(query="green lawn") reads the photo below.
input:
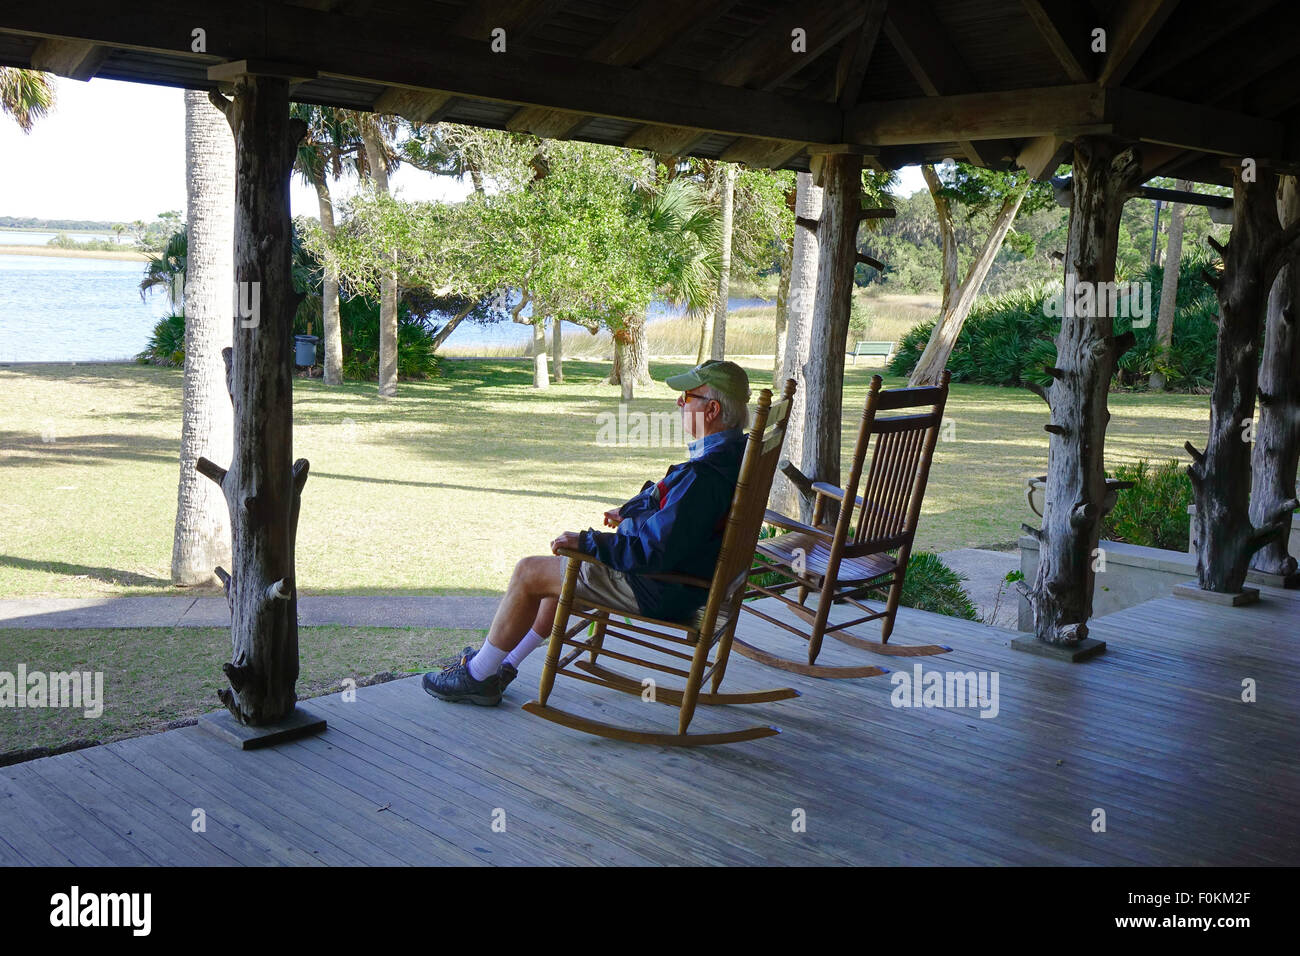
(442, 489)
(152, 678)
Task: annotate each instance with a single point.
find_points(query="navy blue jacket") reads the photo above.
(674, 525)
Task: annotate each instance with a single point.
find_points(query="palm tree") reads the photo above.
(202, 534)
(166, 270)
(332, 144)
(685, 228)
(26, 95)
(118, 229)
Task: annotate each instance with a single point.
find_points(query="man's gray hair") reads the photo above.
(735, 413)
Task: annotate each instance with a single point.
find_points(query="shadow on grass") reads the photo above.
(107, 575)
(27, 448)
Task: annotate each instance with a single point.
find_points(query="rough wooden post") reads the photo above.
(840, 176)
(1226, 538)
(1105, 175)
(263, 485)
(1276, 454)
(785, 497)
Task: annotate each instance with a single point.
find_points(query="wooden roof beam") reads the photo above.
(1067, 33)
(931, 58)
(639, 35)
(517, 17)
(1129, 36)
(75, 59)
(1041, 155)
(851, 71)
(766, 60)
(764, 153)
(418, 106)
(1187, 37)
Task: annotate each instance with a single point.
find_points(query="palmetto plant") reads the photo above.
(685, 228)
(26, 95)
(166, 270)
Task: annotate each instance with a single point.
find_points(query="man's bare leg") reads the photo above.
(529, 601)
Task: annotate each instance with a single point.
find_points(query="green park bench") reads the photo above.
(873, 348)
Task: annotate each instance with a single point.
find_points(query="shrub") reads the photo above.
(1008, 340)
(931, 585)
(359, 321)
(166, 343)
(1153, 512)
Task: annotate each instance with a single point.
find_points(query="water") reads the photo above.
(79, 310)
(11, 237)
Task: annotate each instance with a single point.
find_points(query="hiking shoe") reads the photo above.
(455, 684)
(508, 671)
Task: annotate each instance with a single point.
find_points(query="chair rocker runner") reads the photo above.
(842, 565)
(712, 630)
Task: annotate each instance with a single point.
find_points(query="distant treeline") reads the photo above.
(54, 225)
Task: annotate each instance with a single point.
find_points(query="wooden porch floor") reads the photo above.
(1154, 733)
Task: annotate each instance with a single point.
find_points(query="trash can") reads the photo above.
(305, 349)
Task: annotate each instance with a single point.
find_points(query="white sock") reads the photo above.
(486, 662)
(527, 644)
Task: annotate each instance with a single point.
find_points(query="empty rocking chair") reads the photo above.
(841, 564)
(711, 631)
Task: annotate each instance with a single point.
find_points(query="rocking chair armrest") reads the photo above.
(830, 491)
(575, 553)
(794, 524)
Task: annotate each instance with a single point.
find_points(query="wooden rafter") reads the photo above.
(765, 60)
(931, 58)
(1185, 37)
(1129, 36)
(851, 71)
(1065, 30)
(75, 59)
(418, 106)
(514, 16)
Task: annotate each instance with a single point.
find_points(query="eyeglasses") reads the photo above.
(686, 396)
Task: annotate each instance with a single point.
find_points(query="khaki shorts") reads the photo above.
(601, 584)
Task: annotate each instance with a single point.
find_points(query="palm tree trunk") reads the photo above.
(785, 497)
(330, 292)
(930, 366)
(706, 336)
(202, 533)
(724, 272)
(375, 159)
(1169, 289)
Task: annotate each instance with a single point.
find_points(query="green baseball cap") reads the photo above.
(727, 377)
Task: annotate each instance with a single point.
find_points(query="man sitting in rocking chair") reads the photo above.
(674, 525)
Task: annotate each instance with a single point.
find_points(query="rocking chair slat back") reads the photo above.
(748, 505)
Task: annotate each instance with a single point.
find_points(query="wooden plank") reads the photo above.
(1066, 32)
(85, 840)
(855, 59)
(257, 818)
(130, 815)
(36, 843)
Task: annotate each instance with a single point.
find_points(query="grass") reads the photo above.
(444, 488)
(154, 678)
(750, 331)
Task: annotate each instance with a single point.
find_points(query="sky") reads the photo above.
(134, 137)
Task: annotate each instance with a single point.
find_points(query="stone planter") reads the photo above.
(1133, 574)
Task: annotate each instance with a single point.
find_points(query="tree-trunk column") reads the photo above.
(841, 181)
(263, 484)
(799, 311)
(1226, 538)
(1276, 454)
(1086, 355)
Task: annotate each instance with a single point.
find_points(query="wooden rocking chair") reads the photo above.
(712, 628)
(841, 566)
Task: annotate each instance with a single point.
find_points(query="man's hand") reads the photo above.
(611, 518)
(567, 540)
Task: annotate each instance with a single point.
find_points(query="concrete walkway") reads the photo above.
(450, 611)
(985, 571)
